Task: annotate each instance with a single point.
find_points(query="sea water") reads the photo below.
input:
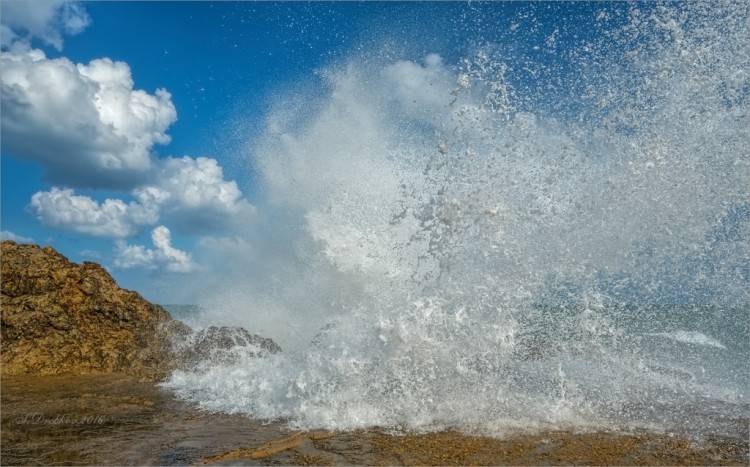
(537, 230)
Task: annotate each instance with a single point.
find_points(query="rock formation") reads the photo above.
(222, 345)
(59, 317)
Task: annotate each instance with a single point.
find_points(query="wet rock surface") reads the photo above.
(112, 420)
(118, 420)
(223, 345)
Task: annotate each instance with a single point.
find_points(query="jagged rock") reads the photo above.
(59, 317)
(222, 345)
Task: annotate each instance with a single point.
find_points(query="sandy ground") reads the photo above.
(115, 420)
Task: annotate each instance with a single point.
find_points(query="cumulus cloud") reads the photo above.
(198, 184)
(46, 20)
(163, 256)
(89, 127)
(63, 210)
(85, 124)
(8, 235)
(190, 193)
(194, 195)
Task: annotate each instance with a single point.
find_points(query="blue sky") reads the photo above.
(216, 60)
(129, 129)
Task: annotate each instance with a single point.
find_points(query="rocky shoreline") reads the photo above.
(81, 361)
(59, 317)
(62, 318)
(118, 420)
(111, 420)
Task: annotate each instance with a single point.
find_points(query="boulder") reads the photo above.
(221, 345)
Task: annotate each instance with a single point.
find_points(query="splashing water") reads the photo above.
(506, 242)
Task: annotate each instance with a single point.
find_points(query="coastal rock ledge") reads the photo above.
(59, 317)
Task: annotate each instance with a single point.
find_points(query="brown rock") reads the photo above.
(59, 317)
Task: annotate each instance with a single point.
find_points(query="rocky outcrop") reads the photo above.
(223, 345)
(59, 317)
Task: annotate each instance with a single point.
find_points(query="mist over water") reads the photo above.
(554, 234)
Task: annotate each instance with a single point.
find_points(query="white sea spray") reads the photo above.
(457, 245)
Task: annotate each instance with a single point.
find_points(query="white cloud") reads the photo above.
(45, 20)
(176, 260)
(198, 184)
(8, 235)
(84, 123)
(131, 256)
(90, 128)
(195, 197)
(7, 36)
(164, 255)
(190, 193)
(62, 209)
